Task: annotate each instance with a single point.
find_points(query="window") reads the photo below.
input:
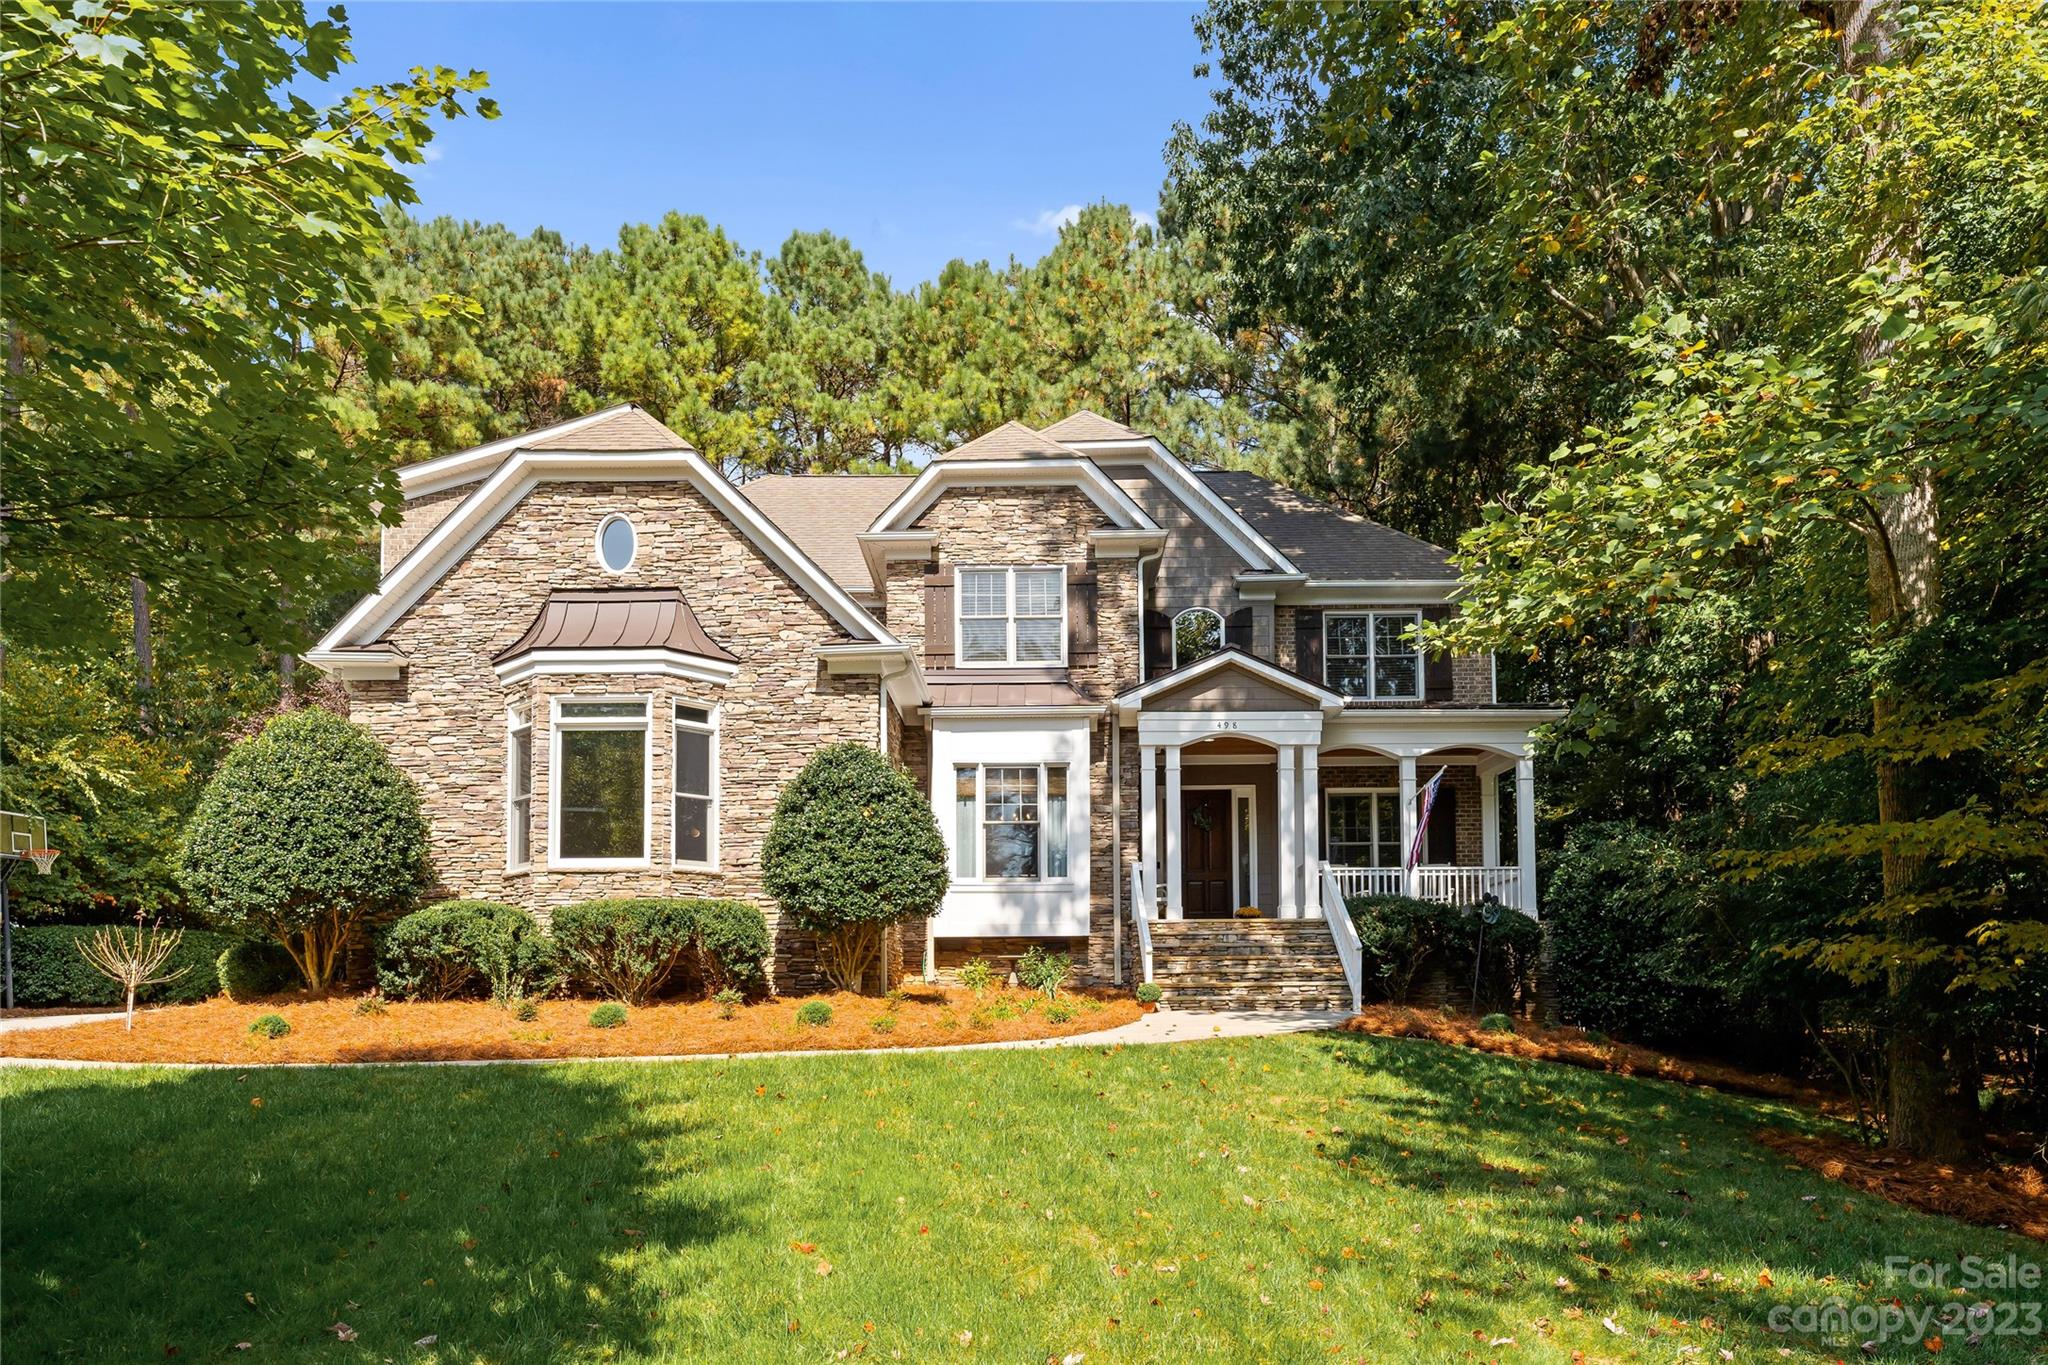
(599, 783)
(1376, 655)
(616, 543)
(1364, 827)
(1010, 822)
(518, 788)
(1197, 633)
(695, 829)
(1012, 616)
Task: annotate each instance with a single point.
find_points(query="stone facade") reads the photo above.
(422, 515)
(445, 721)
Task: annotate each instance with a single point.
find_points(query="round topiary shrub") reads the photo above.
(608, 1016)
(853, 848)
(1496, 1023)
(270, 1026)
(306, 833)
(463, 947)
(814, 1014)
(627, 949)
(249, 969)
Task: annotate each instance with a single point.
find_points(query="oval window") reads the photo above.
(616, 543)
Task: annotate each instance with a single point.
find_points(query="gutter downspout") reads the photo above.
(1116, 844)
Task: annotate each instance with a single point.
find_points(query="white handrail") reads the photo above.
(1141, 920)
(1349, 950)
(1434, 882)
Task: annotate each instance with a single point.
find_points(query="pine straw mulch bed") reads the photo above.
(2001, 1196)
(334, 1030)
(2012, 1196)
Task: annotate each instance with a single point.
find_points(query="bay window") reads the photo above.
(1376, 655)
(1011, 615)
(695, 816)
(1010, 822)
(518, 788)
(599, 782)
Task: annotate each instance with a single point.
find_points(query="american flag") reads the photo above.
(1422, 820)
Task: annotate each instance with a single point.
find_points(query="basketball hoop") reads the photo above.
(43, 858)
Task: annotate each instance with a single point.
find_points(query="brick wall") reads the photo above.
(444, 723)
(422, 515)
(1462, 779)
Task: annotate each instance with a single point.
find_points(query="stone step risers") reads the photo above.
(1248, 965)
(1209, 1000)
(1167, 971)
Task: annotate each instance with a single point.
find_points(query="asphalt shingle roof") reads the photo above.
(1322, 539)
(823, 513)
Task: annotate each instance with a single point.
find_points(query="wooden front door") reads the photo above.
(1207, 874)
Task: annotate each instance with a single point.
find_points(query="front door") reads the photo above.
(1207, 871)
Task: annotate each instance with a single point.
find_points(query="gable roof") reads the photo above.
(1230, 659)
(624, 426)
(1010, 441)
(824, 513)
(1324, 540)
(1088, 426)
(617, 618)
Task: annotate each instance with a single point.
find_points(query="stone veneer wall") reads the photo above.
(422, 515)
(444, 722)
(1035, 525)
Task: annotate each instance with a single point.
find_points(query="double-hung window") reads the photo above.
(1364, 827)
(518, 788)
(1012, 616)
(696, 786)
(599, 782)
(1010, 822)
(1376, 655)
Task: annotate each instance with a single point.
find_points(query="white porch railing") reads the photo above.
(1142, 907)
(1448, 885)
(1349, 950)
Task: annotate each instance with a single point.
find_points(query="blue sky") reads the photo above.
(921, 132)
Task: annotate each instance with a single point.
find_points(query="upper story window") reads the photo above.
(1373, 654)
(1197, 633)
(1012, 615)
(598, 782)
(617, 543)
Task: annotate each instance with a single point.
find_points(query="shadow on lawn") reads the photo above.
(507, 1212)
(1659, 1205)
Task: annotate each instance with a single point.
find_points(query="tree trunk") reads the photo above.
(145, 658)
(131, 1007)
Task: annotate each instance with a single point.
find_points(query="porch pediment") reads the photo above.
(1228, 681)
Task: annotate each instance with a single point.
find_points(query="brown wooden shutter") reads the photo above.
(1081, 627)
(938, 618)
(1158, 643)
(1438, 686)
(1308, 644)
(1237, 629)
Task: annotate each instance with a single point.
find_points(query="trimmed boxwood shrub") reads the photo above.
(306, 833)
(466, 947)
(249, 969)
(608, 1016)
(632, 950)
(49, 970)
(853, 848)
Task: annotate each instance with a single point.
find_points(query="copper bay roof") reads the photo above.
(1001, 687)
(617, 618)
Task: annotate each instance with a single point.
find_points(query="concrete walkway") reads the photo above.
(1164, 1026)
(23, 1023)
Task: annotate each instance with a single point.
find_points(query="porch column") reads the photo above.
(1408, 877)
(1311, 842)
(1173, 832)
(1290, 861)
(1148, 823)
(1525, 830)
(1489, 819)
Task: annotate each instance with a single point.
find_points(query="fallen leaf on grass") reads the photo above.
(428, 1340)
(343, 1331)
(1611, 1325)
(803, 1248)
(824, 1267)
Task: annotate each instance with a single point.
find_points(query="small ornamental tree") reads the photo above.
(853, 849)
(306, 833)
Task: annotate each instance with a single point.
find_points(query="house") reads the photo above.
(1142, 695)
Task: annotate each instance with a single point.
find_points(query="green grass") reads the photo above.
(1283, 1199)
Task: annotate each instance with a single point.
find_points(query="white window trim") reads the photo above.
(556, 724)
(1372, 679)
(597, 543)
(675, 780)
(1222, 638)
(518, 717)
(980, 876)
(1330, 825)
(1010, 659)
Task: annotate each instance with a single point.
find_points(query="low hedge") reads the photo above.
(466, 947)
(49, 969)
(1400, 934)
(632, 950)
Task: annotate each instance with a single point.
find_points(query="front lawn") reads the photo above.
(1283, 1199)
